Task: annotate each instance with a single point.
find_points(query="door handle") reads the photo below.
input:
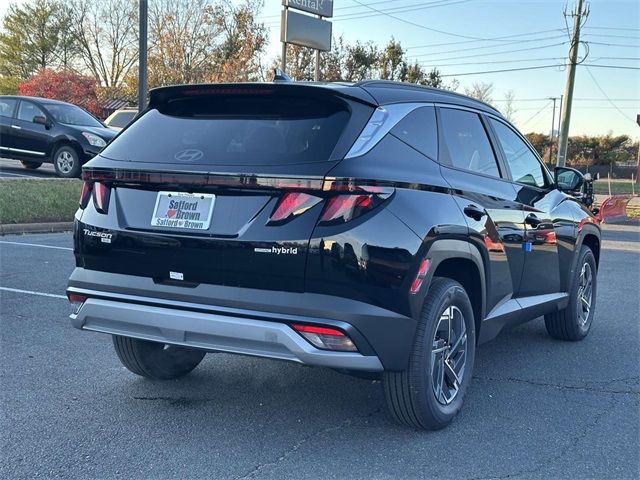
(16, 127)
(532, 220)
(474, 212)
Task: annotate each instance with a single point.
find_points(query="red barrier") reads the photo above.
(614, 208)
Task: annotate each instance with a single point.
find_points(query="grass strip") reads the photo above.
(38, 200)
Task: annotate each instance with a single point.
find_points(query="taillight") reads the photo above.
(101, 197)
(325, 338)
(343, 208)
(422, 273)
(291, 205)
(85, 194)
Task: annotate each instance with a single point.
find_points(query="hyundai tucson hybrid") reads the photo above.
(35, 130)
(376, 228)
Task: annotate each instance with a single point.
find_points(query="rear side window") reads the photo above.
(466, 143)
(419, 130)
(29, 110)
(524, 165)
(234, 130)
(7, 107)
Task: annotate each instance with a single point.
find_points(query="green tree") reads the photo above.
(392, 63)
(30, 38)
(361, 61)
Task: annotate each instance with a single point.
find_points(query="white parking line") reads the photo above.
(29, 292)
(35, 245)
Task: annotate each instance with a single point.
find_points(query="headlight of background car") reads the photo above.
(94, 140)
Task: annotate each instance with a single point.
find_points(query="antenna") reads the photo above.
(280, 76)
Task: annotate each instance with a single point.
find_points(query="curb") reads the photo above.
(22, 228)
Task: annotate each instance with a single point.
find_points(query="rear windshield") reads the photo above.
(234, 130)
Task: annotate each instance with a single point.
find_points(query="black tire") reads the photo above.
(66, 162)
(154, 360)
(31, 165)
(411, 394)
(574, 322)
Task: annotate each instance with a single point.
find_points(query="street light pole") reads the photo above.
(142, 56)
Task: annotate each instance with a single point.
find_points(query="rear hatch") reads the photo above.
(217, 184)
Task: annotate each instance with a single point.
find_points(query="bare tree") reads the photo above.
(106, 32)
(237, 57)
(481, 91)
(183, 37)
(509, 109)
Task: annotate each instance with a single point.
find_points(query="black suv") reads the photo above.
(36, 130)
(377, 228)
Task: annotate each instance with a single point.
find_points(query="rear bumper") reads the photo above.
(205, 313)
(222, 333)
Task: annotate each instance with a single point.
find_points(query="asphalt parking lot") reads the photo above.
(537, 408)
(14, 169)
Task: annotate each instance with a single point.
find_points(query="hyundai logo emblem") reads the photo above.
(189, 155)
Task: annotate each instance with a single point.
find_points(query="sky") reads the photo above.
(607, 102)
(465, 40)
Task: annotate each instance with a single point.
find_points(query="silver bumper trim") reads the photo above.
(212, 332)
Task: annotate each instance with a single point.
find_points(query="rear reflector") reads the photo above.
(291, 205)
(422, 272)
(325, 338)
(76, 301)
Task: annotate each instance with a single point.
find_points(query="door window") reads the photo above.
(7, 106)
(523, 163)
(467, 144)
(29, 110)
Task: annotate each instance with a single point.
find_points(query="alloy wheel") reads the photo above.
(65, 162)
(585, 294)
(448, 355)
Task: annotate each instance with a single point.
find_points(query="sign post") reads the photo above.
(306, 30)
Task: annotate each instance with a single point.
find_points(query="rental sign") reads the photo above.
(324, 8)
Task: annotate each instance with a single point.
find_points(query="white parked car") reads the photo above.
(120, 118)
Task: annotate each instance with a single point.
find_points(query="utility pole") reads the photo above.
(578, 14)
(142, 56)
(553, 127)
(638, 166)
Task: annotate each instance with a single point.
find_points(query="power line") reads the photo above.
(402, 9)
(613, 28)
(503, 70)
(416, 24)
(538, 67)
(536, 114)
(494, 39)
(613, 44)
(496, 62)
(492, 53)
(620, 67)
(484, 47)
(606, 96)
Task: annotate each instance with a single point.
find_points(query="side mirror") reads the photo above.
(41, 120)
(568, 179)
